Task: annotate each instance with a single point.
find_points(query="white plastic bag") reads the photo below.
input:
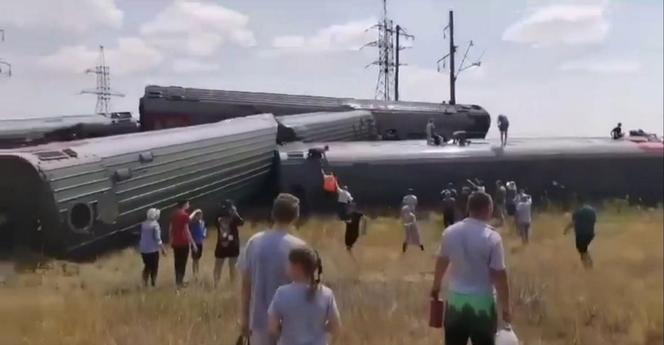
(506, 336)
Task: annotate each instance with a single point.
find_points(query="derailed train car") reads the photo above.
(380, 173)
(64, 196)
(166, 107)
(355, 125)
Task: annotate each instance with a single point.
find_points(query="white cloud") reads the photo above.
(131, 55)
(602, 66)
(198, 28)
(561, 24)
(194, 66)
(349, 36)
(67, 15)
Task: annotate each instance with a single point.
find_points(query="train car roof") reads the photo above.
(36, 127)
(58, 154)
(517, 148)
(320, 118)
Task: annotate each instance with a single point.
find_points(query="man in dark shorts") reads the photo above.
(583, 222)
(449, 204)
(478, 278)
(181, 240)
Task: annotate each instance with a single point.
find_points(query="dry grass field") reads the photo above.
(382, 295)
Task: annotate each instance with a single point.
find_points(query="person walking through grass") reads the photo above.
(355, 222)
(523, 217)
(583, 221)
(411, 229)
(263, 266)
(499, 198)
(198, 234)
(228, 240)
(304, 311)
(150, 245)
(181, 240)
(471, 252)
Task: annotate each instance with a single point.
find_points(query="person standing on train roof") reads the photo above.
(198, 233)
(150, 245)
(500, 195)
(583, 221)
(263, 266)
(228, 240)
(472, 254)
(503, 126)
(344, 199)
(617, 132)
(181, 240)
(523, 217)
(430, 131)
(409, 222)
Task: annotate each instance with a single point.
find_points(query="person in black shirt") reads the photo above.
(228, 240)
(449, 204)
(352, 229)
(617, 132)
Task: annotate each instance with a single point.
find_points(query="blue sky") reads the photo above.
(554, 67)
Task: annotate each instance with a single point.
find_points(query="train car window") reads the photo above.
(145, 157)
(80, 217)
(122, 174)
(50, 155)
(70, 153)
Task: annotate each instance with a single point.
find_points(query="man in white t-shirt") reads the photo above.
(473, 252)
(344, 199)
(523, 216)
(263, 265)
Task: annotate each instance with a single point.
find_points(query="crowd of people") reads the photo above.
(282, 298)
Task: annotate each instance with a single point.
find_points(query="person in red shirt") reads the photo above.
(181, 240)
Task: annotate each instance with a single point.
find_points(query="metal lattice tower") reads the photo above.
(5, 66)
(103, 89)
(388, 51)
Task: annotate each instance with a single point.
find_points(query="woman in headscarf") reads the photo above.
(149, 245)
(412, 231)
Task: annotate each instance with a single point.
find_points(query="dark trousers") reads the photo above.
(150, 267)
(464, 325)
(448, 218)
(180, 256)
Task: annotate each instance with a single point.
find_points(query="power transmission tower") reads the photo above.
(5, 66)
(401, 32)
(103, 89)
(386, 84)
(449, 57)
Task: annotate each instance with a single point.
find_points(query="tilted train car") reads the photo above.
(354, 125)
(64, 196)
(165, 107)
(381, 172)
(38, 131)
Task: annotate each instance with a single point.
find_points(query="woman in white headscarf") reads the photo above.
(412, 231)
(149, 245)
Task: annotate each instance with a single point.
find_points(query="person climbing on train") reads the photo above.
(227, 249)
(583, 222)
(503, 126)
(198, 233)
(181, 240)
(304, 311)
(409, 222)
(330, 182)
(617, 132)
(263, 266)
(150, 245)
(318, 152)
(344, 199)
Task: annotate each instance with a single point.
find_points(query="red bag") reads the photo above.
(330, 183)
(436, 313)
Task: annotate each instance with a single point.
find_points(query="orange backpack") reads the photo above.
(329, 183)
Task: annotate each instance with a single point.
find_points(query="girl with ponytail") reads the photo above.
(304, 311)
